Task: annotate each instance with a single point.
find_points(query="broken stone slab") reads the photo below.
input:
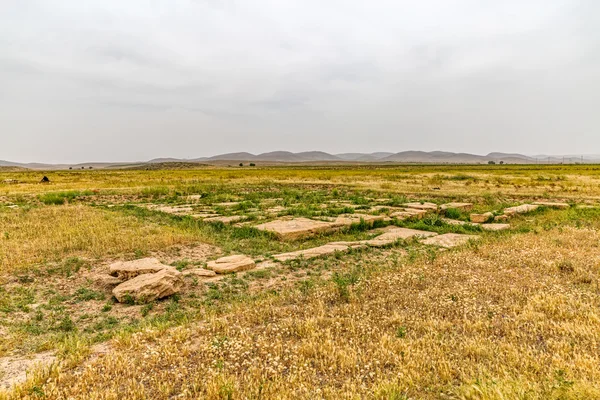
(457, 206)
(200, 272)
(402, 215)
(106, 282)
(449, 240)
(481, 218)
(173, 209)
(416, 213)
(130, 269)
(494, 227)
(149, 287)
(316, 251)
(350, 219)
(296, 228)
(551, 204)
(276, 210)
(522, 209)
(230, 264)
(226, 220)
(455, 222)
(422, 206)
(499, 218)
(395, 234)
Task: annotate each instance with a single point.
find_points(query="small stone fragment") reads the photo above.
(200, 272)
(481, 218)
(522, 209)
(495, 227)
(226, 265)
(130, 269)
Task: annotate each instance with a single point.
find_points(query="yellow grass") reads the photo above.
(49, 234)
(501, 320)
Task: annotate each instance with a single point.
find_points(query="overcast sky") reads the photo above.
(116, 80)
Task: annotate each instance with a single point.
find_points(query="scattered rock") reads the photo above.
(449, 240)
(454, 222)
(499, 218)
(227, 204)
(200, 272)
(204, 215)
(422, 206)
(295, 228)
(316, 251)
(416, 213)
(149, 287)
(130, 269)
(350, 219)
(106, 282)
(457, 206)
(551, 204)
(522, 209)
(481, 218)
(226, 265)
(495, 227)
(395, 234)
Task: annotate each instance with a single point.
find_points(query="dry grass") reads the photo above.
(51, 234)
(515, 318)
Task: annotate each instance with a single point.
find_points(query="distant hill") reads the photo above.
(432, 157)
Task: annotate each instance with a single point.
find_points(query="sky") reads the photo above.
(114, 80)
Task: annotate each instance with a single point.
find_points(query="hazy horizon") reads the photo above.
(133, 81)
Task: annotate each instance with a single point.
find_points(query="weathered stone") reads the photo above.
(130, 269)
(296, 228)
(106, 282)
(227, 204)
(416, 213)
(200, 272)
(316, 251)
(448, 240)
(350, 219)
(402, 215)
(522, 209)
(481, 218)
(457, 206)
(203, 215)
(183, 209)
(454, 222)
(495, 227)
(499, 218)
(422, 206)
(395, 234)
(551, 204)
(226, 265)
(150, 287)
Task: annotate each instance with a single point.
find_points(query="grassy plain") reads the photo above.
(514, 315)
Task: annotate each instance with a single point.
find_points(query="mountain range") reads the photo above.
(433, 157)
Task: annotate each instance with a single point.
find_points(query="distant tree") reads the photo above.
(91, 167)
(70, 167)
(82, 167)
(501, 162)
(241, 164)
(252, 164)
(492, 162)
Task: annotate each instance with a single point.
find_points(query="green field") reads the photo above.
(513, 315)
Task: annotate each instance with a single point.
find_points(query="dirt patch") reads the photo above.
(13, 370)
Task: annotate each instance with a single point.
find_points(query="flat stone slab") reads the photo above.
(481, 218)
(349, 219)
(455, 222)
(125, 270)
(416, 213)
(551, 204)
(449, 240)
(226, 220)
(296, 228)
(402, 215)
(230, 264)
(457, 206)
(177, 210)
(422, 206)
(149, 287)
(495, 227)
(316, 251)
(522, 209)
(395, 234)
(200, 272)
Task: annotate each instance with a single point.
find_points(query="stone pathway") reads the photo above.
(449, 240)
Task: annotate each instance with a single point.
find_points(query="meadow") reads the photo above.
(512, 315)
